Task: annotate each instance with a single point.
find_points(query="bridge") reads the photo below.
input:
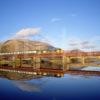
(58, 57)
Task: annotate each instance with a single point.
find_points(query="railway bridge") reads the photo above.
(58, 58)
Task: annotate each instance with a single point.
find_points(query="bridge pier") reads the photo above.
(37, 63)
(67, 67)
(68, 60)
(83, 60)
(13, 62)
(65, 63)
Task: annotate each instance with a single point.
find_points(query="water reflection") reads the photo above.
(25, 73)
(49, 85)
(26, 86)
(18, 76)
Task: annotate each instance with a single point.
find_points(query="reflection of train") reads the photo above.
(28, 75)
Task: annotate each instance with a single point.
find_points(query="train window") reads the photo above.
(44, 51)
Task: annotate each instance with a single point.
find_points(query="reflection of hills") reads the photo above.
(24, 45)
(18, 76)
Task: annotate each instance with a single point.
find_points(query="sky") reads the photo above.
(67, 24)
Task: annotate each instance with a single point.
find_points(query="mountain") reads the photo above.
(76, 51)
(24, 45)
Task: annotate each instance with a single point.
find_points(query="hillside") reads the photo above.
(24, 45)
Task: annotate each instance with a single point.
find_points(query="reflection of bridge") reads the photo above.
(50, 72)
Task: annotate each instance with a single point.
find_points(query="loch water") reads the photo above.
(15, 86)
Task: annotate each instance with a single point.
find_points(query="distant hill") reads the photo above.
(24, 45)
(76, 51)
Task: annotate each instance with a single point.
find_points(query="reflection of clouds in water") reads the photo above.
(42, 81)
(86, 76)
(72, 77)
(25, 86)
(78, 77)
(91, 68)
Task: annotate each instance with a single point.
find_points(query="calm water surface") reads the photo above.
(68, 87)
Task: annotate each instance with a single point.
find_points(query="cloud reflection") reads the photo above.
(25, 86)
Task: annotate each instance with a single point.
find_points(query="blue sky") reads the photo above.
(64, 23)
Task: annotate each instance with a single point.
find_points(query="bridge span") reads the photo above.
(57, 57)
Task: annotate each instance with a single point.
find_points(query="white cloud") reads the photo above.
(77, 43)
(26, 32)
(87, 45)
(74, 42)
(55, 20)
